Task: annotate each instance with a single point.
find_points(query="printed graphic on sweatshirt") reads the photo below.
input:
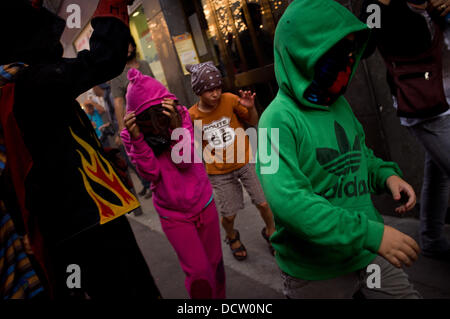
(342, 162)
(94, 170)
(219, 134)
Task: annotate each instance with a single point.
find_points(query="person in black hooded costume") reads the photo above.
(71, 198)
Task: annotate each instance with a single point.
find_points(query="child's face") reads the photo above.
(211, 97)
(155, 126)
(146, 127)
(333, 72)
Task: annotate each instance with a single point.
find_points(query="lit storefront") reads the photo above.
(175, 32)
(237, 35)
(146, 47)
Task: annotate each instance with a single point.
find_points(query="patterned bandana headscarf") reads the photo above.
(204, 76)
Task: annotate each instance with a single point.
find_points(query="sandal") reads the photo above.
(263, 233)
(236, 250)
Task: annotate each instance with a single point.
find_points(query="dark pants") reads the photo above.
(434, 135)
(111, 263)
(394, 284)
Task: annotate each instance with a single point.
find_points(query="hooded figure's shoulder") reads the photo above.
(283, 112)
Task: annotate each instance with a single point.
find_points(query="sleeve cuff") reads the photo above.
(375, 231)
(385, 173)
(139, 145)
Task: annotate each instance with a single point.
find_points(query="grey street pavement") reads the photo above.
(258, 277)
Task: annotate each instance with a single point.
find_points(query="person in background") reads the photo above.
(101, 94)
(119, 90)
(183, 196)
(71, 199)
(94, 112)
(412, 47)
(119, 84)
(220, 118)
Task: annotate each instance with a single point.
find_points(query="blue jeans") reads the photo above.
(434, 135)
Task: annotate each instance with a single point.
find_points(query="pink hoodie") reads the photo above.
(181, 190)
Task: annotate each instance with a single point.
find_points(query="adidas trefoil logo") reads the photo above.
(343, 161)
(340, 163)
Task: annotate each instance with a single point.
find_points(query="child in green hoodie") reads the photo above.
(330, 240)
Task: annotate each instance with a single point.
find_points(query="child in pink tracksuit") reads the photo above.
(182, 193)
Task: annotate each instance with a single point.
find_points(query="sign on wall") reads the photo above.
(186, 50)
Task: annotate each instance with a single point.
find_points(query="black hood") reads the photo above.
(29, 35)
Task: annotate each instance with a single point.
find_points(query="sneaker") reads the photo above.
(138, 212)
(148, 195)
(142, 192)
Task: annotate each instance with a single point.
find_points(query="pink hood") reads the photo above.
(144, 91)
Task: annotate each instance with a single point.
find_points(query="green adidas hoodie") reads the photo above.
(326, 224)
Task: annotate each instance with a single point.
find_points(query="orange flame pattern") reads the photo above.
(106, 177)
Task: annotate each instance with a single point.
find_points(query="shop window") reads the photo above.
(243, 30)
(144, 42)
(277, 8)
(241, 33)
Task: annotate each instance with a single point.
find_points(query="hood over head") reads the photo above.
(144, 91)
(204, 76)
(307, 30)
(29, 35)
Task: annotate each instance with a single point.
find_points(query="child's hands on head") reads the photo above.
(130, 124)
(175, 120)
(154, 121)
(247, 99)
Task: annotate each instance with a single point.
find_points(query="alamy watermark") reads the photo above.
(74, 18)
(73, 280)
(374, 19)
(373, 281)
(223, 144)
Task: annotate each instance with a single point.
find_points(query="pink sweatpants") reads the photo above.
(197, 244)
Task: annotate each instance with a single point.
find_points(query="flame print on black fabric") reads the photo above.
(94, 170)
